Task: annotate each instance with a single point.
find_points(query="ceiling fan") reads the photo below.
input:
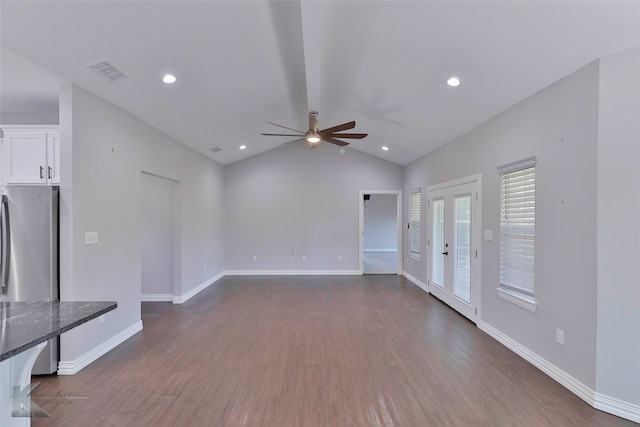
(313, 136)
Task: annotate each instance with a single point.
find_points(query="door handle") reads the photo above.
(50, 172)
(446, 245)
(41, 172)
(4, 243)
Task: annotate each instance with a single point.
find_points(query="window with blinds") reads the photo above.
(414, 223)
(518, 226)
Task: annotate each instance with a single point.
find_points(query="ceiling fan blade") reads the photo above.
(284, 127)
(349, 135)
(313, 123)
(279, 134)
(335, 141)
(344, 126)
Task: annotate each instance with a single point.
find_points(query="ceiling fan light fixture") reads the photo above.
(313, 138)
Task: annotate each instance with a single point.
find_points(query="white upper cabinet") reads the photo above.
(31, 156)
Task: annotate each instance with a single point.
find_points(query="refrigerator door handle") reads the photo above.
(4, 244)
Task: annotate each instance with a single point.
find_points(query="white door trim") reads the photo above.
(466, 180)
(398, 194)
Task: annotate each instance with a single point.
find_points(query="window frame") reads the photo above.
(415, 226)
(523, 293)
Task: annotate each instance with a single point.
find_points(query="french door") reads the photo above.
(453, 244)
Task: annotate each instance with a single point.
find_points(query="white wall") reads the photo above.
(380, 223)
(618, 357)
(559, 125)
(103, 151)
(29, 118)
(301, 200)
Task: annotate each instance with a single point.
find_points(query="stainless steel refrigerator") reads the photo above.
(29, 253)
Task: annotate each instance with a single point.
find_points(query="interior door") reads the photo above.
(158, 242)
(452, 246)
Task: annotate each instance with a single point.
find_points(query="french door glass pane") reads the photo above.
(438, 243)
(462, 259)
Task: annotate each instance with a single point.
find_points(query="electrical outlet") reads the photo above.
(304, 258)
(291, 258)
(204, 268)
(255, 257)
(91, 238)
(339, 257)
(560, 336)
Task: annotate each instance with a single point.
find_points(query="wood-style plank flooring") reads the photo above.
(311, 351)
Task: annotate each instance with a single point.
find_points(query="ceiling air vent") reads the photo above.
(106, 70)
(216, 149)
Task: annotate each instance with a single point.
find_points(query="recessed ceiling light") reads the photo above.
(385, 148)
(242, 147)
(453, 81)
(169, 78)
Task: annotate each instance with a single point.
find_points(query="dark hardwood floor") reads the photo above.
(311, 351)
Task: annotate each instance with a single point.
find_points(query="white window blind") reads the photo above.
(518, 226)
(414, 222)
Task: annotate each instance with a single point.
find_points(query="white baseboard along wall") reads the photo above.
(598, 401)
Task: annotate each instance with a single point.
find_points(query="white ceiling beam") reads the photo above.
(312, 15)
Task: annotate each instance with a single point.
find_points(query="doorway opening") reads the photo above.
(453, 244)
(380, 232)
(160, 238)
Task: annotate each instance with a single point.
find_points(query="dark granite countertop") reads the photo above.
(26, 324)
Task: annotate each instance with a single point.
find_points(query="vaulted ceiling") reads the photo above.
(241, 64)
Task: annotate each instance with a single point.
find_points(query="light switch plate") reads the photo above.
(488, 234)
(91, 238)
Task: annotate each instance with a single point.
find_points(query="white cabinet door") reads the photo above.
(25, 157)
(53, 157)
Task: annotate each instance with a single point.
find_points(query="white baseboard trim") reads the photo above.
(618, 407)
(415, 281)
(566, 380)
(179, 299)
(292, 273)
(380, 250)
(599, 401)
(156, 297)
(74, 366)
